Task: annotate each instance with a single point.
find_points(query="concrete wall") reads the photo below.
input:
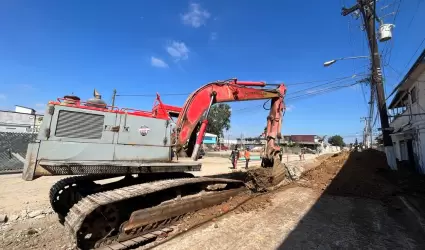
(18, 122)
(330, 149)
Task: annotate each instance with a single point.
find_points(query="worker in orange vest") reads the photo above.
(247, 157)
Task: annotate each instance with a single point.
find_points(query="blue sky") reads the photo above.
(52, 48)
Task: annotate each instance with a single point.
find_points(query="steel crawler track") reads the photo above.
(66, 192)
(86, 206)
(69, 183)
(138, 240)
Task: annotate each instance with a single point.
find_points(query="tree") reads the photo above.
(219, 119)
(336, 140)
(379, 140)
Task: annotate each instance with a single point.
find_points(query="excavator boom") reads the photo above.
(194, 114)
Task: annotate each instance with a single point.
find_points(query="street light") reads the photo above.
(329, 63)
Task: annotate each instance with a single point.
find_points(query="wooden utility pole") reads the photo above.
(367, 9)
(114, 94)
(366, 129)
(371, 109)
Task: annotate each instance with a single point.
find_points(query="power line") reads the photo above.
(153, 95)
(397, 11)
(389, 48)
(411, 58)
(337, 81)
(316, 81)
(396, 71)
(414, 14)
(321, 91)
(364, 94)
(286, 84)
(303, 95)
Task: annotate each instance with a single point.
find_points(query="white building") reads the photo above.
(24, 110)
(22, 120)
(408, 117)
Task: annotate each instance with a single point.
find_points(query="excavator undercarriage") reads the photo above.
(122, 214)
(126, 187)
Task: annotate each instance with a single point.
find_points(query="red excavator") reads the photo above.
(125, 188)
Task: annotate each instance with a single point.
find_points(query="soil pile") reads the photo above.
(352, 174)
(260, 179)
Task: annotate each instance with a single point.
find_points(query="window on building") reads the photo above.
(413, 94)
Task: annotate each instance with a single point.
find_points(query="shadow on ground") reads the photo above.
(359, 207)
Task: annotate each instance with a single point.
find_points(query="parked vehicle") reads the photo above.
(221, 147)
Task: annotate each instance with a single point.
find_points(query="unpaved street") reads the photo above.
(343, 203)
(21, 199)
(301, 218)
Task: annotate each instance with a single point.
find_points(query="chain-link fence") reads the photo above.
(13, 149)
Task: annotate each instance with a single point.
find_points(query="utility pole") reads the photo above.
(114, 94)
(365, 130)
(371, 111)
(367, 9)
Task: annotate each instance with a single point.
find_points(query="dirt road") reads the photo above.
(343, 203)
(346, 202)
(301, 218)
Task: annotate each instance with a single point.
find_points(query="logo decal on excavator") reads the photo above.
(144, 130)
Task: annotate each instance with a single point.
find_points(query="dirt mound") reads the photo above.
(259, 179)
(255, 204)
(241, 203)
(352, 174)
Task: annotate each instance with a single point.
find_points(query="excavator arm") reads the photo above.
(194, 116)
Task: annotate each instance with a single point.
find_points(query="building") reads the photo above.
(22, 120)
(310, 141)
(304, 139)
(407, 122)
(210, 138)
(24, 110)
(228, 142)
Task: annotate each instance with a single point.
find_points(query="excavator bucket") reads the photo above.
(272, 173)
(279, 171)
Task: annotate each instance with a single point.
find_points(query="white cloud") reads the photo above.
(178, 50)
(156, 62)
(196, 16)
(213, 36)
(312, 91)
(2, 97)
(290, 107)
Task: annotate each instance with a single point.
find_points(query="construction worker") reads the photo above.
(302, 154)
(234, 156)
(247, 157)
